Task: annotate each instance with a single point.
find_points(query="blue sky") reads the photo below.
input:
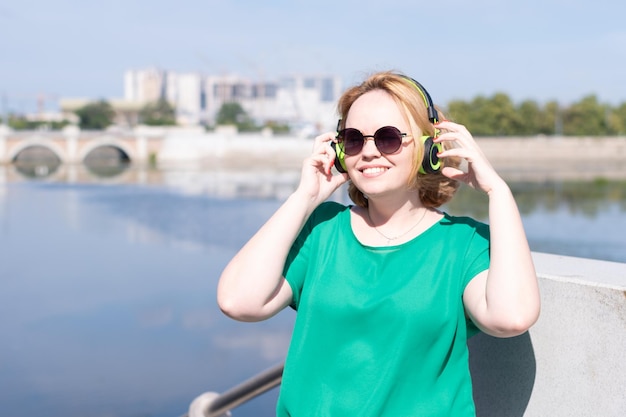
(543, 50)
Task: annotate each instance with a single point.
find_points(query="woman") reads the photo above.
(386, 291)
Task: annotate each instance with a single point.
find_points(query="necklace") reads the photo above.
(391, 239)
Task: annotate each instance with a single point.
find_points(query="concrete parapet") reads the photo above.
(520, 158)
(251, 151)
(549, 157)
(572, 362)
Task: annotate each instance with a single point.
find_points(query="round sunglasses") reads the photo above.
(387, 139)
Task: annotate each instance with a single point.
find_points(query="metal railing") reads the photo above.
(212, 404)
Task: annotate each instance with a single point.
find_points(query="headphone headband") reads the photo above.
(430, 106)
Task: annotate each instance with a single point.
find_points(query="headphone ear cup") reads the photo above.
(340, 164)
(431, 163)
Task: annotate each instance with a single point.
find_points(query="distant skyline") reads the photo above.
(540, 50)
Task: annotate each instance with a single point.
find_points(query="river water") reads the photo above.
(107, 289)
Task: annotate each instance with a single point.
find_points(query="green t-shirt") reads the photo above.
(380, 331)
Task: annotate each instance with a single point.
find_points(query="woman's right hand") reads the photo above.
(318, 182)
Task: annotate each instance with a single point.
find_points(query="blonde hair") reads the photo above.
(434, 189)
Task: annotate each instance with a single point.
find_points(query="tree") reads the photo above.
(501, 114)
(618, 119)
(19, 122)
(478, 117)
(158, 113)
(529, 117)
(233, 114)
(587, 117)
(459, 111)
(96, 115)
(551, 119)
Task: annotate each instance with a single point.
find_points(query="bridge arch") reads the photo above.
(106, 141)
(37, 142)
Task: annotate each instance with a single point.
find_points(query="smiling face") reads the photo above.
(372, 172)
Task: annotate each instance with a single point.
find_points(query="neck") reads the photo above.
(392, 211)
(395, 218)
(402, 228)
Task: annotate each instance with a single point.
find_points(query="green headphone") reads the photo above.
(431, 163)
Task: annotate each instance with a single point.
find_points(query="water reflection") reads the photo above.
(574, 218)
(107, 161)
(588, 198)
(39, 162)
(36, 162)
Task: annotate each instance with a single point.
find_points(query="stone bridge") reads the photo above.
(71, 145)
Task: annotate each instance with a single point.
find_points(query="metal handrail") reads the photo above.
(211, 404)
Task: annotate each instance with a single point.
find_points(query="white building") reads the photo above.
(185, 93)
(144, 86)
(295, 100)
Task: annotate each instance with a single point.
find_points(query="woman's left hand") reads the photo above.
(480, 173)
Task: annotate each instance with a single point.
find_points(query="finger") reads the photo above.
(330, 155)
(323, 159)
(339, 180)
(458, 152)
(451, 126)
(450, 131)
(454, 173)
(451, 136)
(324, 138)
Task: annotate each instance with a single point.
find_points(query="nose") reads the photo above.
(369, 145)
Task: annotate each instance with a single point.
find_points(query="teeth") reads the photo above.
(373, 170)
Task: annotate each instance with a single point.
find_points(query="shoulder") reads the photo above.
(464, 223)
(328, 210)
(332, 206)
(323, 222)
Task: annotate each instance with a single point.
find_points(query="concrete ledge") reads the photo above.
(572, 362)
(532, 158)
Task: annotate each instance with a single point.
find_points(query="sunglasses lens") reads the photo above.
(352, 141)
(388, 139)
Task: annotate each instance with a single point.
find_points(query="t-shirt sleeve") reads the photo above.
(477, 255)
(477, 260)
(297, 262)
(298, 259)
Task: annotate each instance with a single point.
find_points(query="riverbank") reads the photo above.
(517, 158)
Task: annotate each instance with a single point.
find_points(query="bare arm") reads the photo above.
(251, 287)
(503, 301)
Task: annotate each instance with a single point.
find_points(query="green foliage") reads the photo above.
(18, 122)
(277, 127)
(233, 114)
(618, 120)
(488, 116)
(504, 119)
(499, 116)
(230, 113)
(529, 118)
(586, 118)
(96, 115)
(152, 159)
(550, 121)
(158, 113)
(460, 111)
